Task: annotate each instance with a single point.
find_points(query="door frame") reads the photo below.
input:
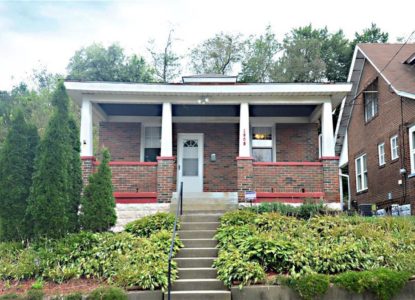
(180, 137)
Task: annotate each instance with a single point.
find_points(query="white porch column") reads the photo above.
(87, 147)
(327, 147)
(244, 136)
(166, 131)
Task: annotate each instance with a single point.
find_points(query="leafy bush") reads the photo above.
(310, 286)
(73, 296)
(148, 225)
(98, 203)
(238, 217)
(10, 297)
(234, 267)
(382, 282)
(107, 293)
(34, 295)
(304, 211)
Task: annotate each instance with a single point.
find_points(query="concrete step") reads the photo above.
(199, 295)
(198, 285)
(201, 273)
(199, 225)
(199, 243)
(202, 212)
(196, 234)
(197, 252)
(207, 208)
(200, 218)
(192, 262)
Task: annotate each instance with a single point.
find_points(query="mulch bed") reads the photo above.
(50, 288)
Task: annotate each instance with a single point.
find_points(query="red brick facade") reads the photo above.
(297, 142)
(221, 139)
(121, 139)
(298, 169)
(364, 137)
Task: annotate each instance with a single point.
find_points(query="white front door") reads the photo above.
(190, 162)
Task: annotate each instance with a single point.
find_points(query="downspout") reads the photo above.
(341, 190)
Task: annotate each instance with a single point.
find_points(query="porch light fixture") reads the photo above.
(203, 100)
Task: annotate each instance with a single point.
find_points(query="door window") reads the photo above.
(190, 158)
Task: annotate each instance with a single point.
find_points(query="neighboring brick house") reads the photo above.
(215, 135)
(376, 132)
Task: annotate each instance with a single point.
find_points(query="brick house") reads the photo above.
(376, 131)
(215, 135)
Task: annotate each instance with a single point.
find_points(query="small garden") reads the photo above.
(134, 259)
(308, 248)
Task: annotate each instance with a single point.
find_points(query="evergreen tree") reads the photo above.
(75, 176)
(16, 170)
(98, 203)
(50, 195)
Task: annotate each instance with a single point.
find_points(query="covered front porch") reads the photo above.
(275, 139)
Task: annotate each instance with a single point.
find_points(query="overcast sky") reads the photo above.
(46, 33)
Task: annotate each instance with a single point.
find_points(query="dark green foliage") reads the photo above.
(73, 296)
(50, 207)
(382, 282)
(98, 203)
(75, 176)
(238, 217)
(97, 63)
(148, 225)
(10, 297)
(16, 170)
(107, 293)
(310, 286)
(305, 211)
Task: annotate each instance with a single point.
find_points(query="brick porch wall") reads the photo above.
(88, 167)
(331, 179)
(135, 178)
(121, 139)
(288, 177)
(166, 179)
(245, 180)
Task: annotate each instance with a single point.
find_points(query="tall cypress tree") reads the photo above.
(75, 177)
(51, 192)
(98, 203)
(16, 171)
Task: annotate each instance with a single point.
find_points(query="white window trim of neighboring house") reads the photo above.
(320, 142)
(381, 154)
(143, 138)
(273, 133)
(394, 148)
(412, 148)
(360, 176)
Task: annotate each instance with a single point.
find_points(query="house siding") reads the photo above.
(365, 137)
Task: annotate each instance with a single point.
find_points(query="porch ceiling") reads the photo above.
(154, 110)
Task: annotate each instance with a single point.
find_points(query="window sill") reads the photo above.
(371, 119)
(394, 160)
(362, 192)
(412, 175)
(382, 166)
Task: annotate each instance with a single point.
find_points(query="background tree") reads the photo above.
(50, 203)
(302, 59)
(259, 58)
(166, 63)
(97, 63)
(16, 170)
(98, 203)
(373, 34)
(217, 55)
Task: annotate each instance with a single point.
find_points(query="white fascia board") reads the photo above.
(405, 94)
(209, 79)
(344, 154)
(239, 89)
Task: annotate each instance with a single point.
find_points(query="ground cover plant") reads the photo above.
(123, 259)
(300, 247)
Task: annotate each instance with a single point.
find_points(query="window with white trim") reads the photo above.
(412, 148)
(370, 96)
(152, 143)
(394, 147)
(262, 144)
(361, 173)
(381, 154)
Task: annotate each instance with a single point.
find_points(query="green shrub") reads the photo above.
(238, 217)
(98, 202)
(34, 295)
(16, 170)
(234, 235)
(233, 267)
(73, 296)
(11, 297)
(304, 211)
(107, 293)
(148, 225)
(310, 286)
(162, 241)
(37, 285)
(382, 282)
